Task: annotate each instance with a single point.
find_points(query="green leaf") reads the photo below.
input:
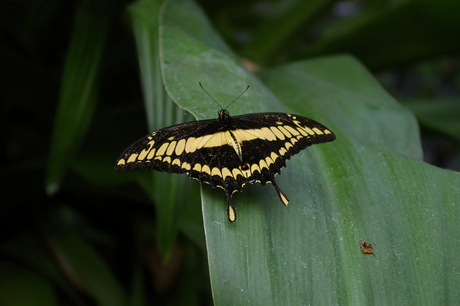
(441, 115)
(365, 107)
(395, 34)
(369, 184)
(188, 44)
(77, 98)
(144, 15)
(168, 192)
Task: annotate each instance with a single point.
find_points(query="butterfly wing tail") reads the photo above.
(230, 208)
(281, 194)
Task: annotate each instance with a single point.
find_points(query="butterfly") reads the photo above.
(227, 152)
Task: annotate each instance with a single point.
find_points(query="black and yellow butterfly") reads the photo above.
(227, 152)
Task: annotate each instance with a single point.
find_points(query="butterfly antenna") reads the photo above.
(218, 102)
(209, 95)
(238, 97)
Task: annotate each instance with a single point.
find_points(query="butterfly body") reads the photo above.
(227, 152)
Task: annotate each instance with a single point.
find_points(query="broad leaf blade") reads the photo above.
(342, 90)
(166, 191)
(369, 184)
(191, 53)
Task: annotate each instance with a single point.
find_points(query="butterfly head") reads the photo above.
(224, 116)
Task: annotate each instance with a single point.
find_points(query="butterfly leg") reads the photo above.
(281, 194)
(230, 209)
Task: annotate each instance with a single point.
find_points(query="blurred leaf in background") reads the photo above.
(81, 80)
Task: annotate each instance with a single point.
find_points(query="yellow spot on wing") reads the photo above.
(151, 154)
(309, 131)
(244, 135)
(185, 166)
(167, 159)
(291, 130)
(144, 152)
(236, 172)
(269, 161)
(195, 144)
(285, 132)
(176, 162)
(188, 145)
(225, 173)
(216, 171)
(132, 158)
(288, 145)
(277, 132)
(180, 147)
(121, 162)
(197, 167)
(171, 148)
(254, 168)
(202, 141)
(302, 131)
(283, 151)
(206, 169)
(162, 149)
(263, 164)
(251, 134)
(327, 132)
(268, 134)
(318, 131)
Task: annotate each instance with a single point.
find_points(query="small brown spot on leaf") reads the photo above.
(366, 247)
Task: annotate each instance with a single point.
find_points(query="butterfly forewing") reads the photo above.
(167, 149)
(269, 139)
